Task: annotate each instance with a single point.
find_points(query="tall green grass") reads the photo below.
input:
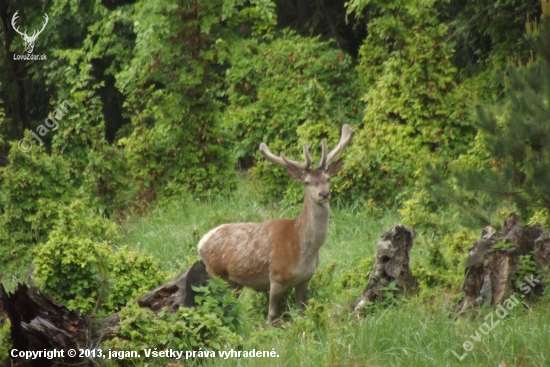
(411, 334)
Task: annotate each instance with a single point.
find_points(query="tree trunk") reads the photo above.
(494, 259)
(391, 265)
(39, 323)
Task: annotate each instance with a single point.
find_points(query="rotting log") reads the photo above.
(490, 273)
(391, 264)
(39, 323)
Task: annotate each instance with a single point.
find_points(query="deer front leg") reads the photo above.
(276, 293)
(300, 292)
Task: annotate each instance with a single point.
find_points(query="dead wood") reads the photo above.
(38, 322)
(391, 264)
(493, 260)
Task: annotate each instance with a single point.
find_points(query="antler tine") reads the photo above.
(46, 18)
(323, 162)
(300, 165)
(264, 150)
(36, 33)
(307, 157)
(345, 139)
(284, 161)
(13, 19)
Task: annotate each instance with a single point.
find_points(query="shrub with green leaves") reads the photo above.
(79, 267)
(5, 340)
(356, 277)
(515, 136)
(415, 113)
(172, 88)
(34, 186)
(106, 184)
(71, 270)
(442, 261)
(286, 92)
(214, 324)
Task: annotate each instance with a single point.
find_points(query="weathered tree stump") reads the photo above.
(391, 264)
(490, 272)
(38, 322)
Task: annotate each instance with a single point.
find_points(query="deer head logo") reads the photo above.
(29, 40)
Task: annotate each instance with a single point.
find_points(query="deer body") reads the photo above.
(228, 245)
(281, 253)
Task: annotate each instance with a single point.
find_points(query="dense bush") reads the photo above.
(34, 187)
(414, 111)
(507, 166)
(287, 92)
(215, 324)
(79, 267)
(172, 88)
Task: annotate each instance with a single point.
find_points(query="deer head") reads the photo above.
(29, 40)
(315, 180)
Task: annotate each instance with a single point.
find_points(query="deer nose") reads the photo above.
(324, 195)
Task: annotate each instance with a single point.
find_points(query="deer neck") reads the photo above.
(312, 226)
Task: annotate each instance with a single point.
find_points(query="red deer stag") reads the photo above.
(280, 253)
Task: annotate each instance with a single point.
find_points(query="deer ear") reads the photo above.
(334, 168)
(295, 173)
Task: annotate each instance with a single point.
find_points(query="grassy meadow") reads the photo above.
(419, 331)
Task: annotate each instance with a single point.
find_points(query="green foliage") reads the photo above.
(315, 318)
(389, 296)
(504, 244)
(442, 262)
(5, 342)
(69, 266)
(81, 75)
(527, 267)
(106, 183)
(34, 187)
(515, 140)
(214, 324)
(541, 216)
(321, 281)
(357, 276)
(172, 87)
(287, 92)
(484, 32)
(415, 113)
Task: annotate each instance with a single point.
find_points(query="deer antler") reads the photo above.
(345, 139)
(15, 16)
(284, 161)
(43, 26)
(24, 34)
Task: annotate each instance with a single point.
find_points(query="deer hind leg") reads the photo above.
(300, 292)
(276, 293)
